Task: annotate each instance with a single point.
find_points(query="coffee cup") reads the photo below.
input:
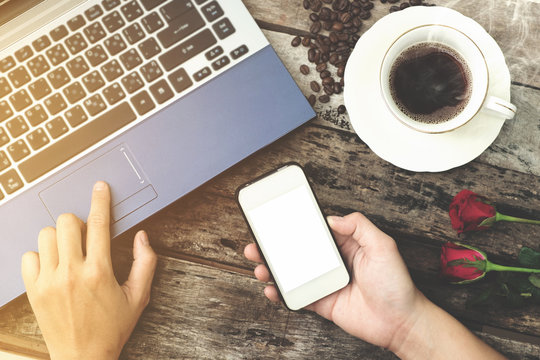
(435, 79)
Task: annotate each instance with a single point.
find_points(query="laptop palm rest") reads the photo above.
(129, 186)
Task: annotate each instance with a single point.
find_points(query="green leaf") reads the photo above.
(535, 280)
(530, 258)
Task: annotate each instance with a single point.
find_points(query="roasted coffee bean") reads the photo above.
(333, 37)
(296, 41)
(340, 71)
(337, 88)
(382, 1)
(324, 58)
(306, 4)
(345, 17)
(324, 74)
(320, 67)
(327, 1)
(315, 86)
(364, 15)
(313, 17)
(337, 26)
(325, 14)
(334, 58)
(415, 2)
(316, 5)
(311, 55)
(342, 82)
(328, 81)
(315, 27)
(357, 22)
(394, 8)
(328, 90)
(312, 99)
(341, 109)
(304, 69)
(327, 25)
(368, 6)
(306, 41)
(324, 98)
(340, 5)
(404, 6)
(393, 1)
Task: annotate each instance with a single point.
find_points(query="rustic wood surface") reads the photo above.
(207, 305)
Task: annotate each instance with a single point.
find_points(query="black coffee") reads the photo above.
(430, 82)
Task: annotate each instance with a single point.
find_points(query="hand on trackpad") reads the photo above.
(130, 189)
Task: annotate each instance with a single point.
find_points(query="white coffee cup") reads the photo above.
(474, 59)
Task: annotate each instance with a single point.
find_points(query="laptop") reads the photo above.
(156, 97)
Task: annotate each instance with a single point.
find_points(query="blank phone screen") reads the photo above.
(294, 238)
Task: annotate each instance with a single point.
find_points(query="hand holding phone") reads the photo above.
(293, 236)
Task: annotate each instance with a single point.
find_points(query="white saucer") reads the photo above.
(384, 134)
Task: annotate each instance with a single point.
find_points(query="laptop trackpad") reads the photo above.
(130, 188)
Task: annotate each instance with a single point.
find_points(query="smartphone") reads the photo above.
(293, 236)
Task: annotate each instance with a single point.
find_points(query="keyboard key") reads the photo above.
(5, 111)
(110, 4)
(130, 59)
(4, 161)
(112, 70)
(150, 4)
(201, 74)
(212, 11)
(55, 104)
(20, 100)
(115, 44)
(18, 150)
(149, 48)
(7, 63)
(58, 77)
(152, 22)
(94, 32)
(59, 33)
(4, 87)
(11, 181)
(161, 91)
(199, 2)
(41, 43)
(76, 116)
(94, 105)
(37, 139)
(74, 92)
(132, 82)
(151, 71)
(142, 102)
(214, 53)
(17, 126)
(38, 65)
(76, 142)
(133, 33)
(76, 23)
(113, 21)
(223, 28)
(180, 80)
(24, 53)
(93, 81)
(57, 54)
(180, 28)
(39, 89)
(114, 93)
(56, 127)
(96, 55)
(36, 115)
(220, 63)
(188, 49)
(175, 8)
(77, 66)
(4, 138)
(19, 77)
(131, 10)
(239, 51)
(76, 43)
(93, 13)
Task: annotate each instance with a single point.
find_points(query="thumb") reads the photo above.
(139, 281)
(357, 226)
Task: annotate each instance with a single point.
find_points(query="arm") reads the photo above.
(381, 305)
(81, 309)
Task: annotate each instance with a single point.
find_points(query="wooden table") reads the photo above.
(206, 303)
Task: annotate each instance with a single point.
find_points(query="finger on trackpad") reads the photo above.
(130, 189)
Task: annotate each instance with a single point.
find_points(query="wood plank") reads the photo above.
(513, 24)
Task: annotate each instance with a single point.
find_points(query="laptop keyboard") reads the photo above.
(109, 64)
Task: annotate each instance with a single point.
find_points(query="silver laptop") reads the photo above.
(156, 97)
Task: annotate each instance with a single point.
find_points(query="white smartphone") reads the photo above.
(293, 236)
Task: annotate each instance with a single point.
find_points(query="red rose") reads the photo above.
(462, 264)
(468, 210)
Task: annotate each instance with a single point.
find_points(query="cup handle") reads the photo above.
(501, 107)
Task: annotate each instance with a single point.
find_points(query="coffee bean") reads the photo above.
(337, 26)
(324, 74)
(325, 14)
(315, 86)
(311, 55)
(316, 5)
(313, 17)
(393, 8)
(368, 6)
(415, 2)
(312, 99)
(320, 67)
(328, 81)
(296, 41)
(345, 17)
(328, 90)
(382, 1)
(341, 109)
(315, 27)
(333, 37)
(337, 88)
(327, 1)
(404, 6)
(342, 82)
(304, 69)
(306, 4)
(393, 1)
(324, 98)
(306, 41)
